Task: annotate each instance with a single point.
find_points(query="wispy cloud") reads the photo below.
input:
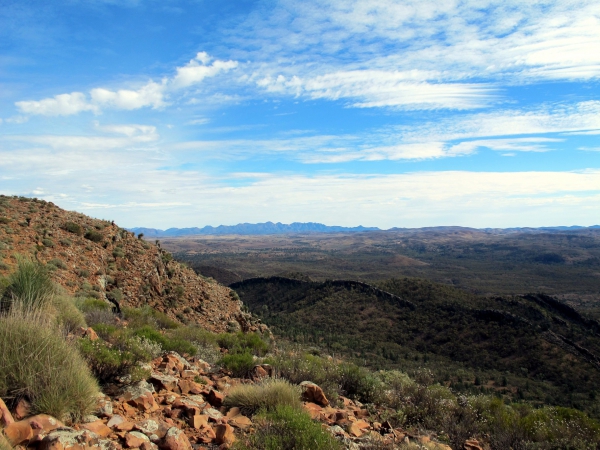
(151, 94)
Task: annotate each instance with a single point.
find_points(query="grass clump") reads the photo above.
(39, 365)
(266, 396)
(68, 316)
(30, 284)
(287, 428)
(138, 317)
(168, 343)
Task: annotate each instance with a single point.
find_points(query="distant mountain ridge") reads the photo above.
(313, 227)
(253, 228)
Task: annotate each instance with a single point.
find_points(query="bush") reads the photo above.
(266, 396)
(243, 343)
(287, 428)
(240, 364)
(93, 235)
(118, 253)
(48, 242)
(92, 304)
(119, 356)
(68, 316)
(39, 365)
(30, 284)
(178, 345)
(57, 264)
(74, 228)
(138, 317)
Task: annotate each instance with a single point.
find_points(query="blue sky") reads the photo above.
(382, 113)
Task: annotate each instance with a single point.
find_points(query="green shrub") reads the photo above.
(92, 304)
(48, 242)
(30, 284)
(116, 295)
(39, 365)
(118, 357)
(118, 253)
(74, 228)
(240, 364)
(138, 317)
(288, 428)
(358, 383)
(93, 235)
(66, 242)
(266, 396)
(4, 220)
(178, 345)
(68, 316)
(57, 264)
(243, 343)
(83, 273)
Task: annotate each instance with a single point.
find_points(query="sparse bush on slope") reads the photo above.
(267, 396)
(38, 364)
(287, 428)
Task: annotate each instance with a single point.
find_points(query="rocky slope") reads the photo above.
(97, 258)
(180, 407)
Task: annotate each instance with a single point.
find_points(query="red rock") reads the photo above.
(164, 382)
(69, 439)
(258, 373)
(140, 396)
(225, 434)
(188, 386)
(241, 422)
(313, 393)
(115, 420)
(18, 432)
(198, 421)
(135, 439)
(189, 373)
(215, 398)
(313, 409)
(6, 417)
(358, 428)
(97, 427)
(472, 444)
(124, 426)
(175, 439)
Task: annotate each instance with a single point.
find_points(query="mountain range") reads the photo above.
(313, 227)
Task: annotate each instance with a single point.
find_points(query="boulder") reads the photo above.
(6, 417)
(358, 428)
(175, 439)
(25, 430)
(472, 444)
(140, 396)
(224, 434)
(135, 439)
(70, 439)
(313, 393)
(164, 382)
(97, 427)
(215, 398)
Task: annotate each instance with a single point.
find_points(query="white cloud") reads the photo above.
(59, 105)
(197, 70)
(151, 94)
(377, 88)
(147, 132)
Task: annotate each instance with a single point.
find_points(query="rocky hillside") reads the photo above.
(97, 258)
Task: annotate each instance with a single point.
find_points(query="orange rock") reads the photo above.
(241, 422)
(18, 432)
(97, 427)
(472, 444)
(225, 434)
(6, 417)
(162, 381)
(189, 386)
(358, 428)
(124, 426)
(313, 409)
(235, 411)
(175, 439)
(198, 421)
(215, 398)
(135, 439)
(313, 393)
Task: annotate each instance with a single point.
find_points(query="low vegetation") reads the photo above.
(287, 428)
(266, 396)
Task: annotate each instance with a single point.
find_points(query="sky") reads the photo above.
(412, 113)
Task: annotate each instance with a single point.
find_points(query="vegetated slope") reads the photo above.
(96, 258)
(531, 347)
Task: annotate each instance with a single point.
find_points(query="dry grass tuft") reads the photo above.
(266, 396)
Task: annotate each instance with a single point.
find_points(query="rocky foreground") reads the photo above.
(180, 407)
